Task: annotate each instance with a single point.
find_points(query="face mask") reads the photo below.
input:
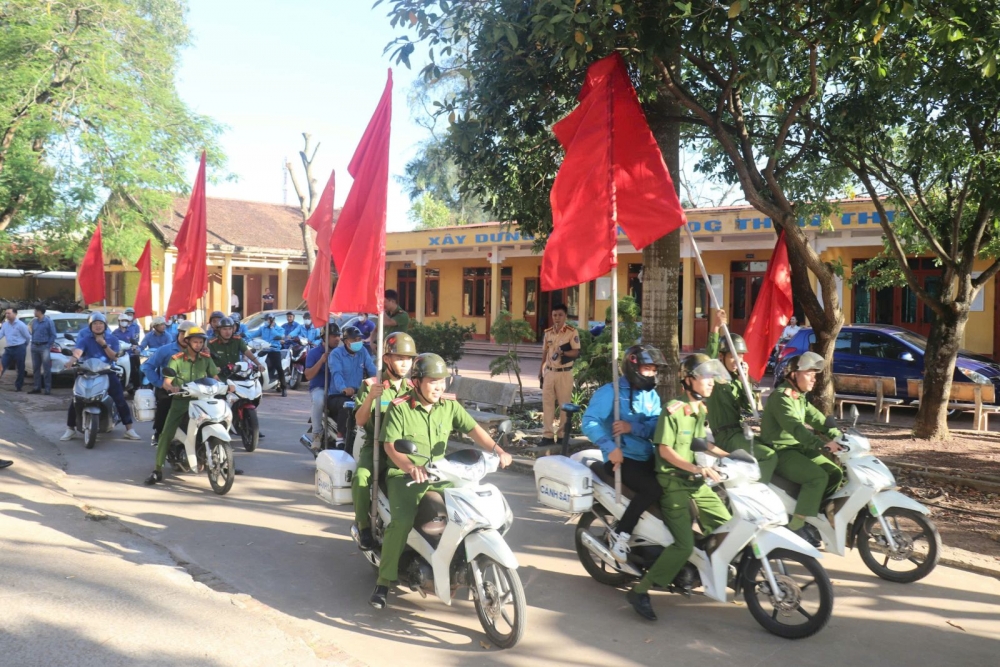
(356, 346)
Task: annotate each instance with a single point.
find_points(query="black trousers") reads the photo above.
(274, 366)
(335, 407)
(640, 477)
(163, 400)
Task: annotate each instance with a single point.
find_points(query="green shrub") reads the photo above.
(510, 332)
(593, 367)
(443, 338)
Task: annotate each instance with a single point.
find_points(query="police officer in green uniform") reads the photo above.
(398, 353)
(426, 416)
(190, 365)
(729, 404)
(682, 422)
(785, 427)
(228, 347)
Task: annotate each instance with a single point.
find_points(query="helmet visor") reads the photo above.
(713, 369)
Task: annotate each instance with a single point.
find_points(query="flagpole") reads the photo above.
(614, 371)
(376, 428)
(725, 329)
(326, 380)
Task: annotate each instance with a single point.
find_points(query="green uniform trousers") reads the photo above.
(675, 507)
(178, 408)
(817, 475)
(403, 502)
(361, 486)
(766, 457)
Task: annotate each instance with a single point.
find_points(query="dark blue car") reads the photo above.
(887, 351)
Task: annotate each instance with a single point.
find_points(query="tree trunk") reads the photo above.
(939, 367)
(309, 244)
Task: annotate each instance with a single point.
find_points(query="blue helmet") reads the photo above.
(97, 317)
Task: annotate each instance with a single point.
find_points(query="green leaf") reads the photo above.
(735, 9)
(511, 36)
(907, 11)
(990, 68)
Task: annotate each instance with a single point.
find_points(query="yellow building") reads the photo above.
(472, 272)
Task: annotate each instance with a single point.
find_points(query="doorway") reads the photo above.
(251, 294)
(530, 313)
(745, 281)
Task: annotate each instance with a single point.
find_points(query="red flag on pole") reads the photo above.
(317, 291)
(191, 272)
(613, 174)
(143, 303)
(91, 272)
(358, 240)
(771, 311)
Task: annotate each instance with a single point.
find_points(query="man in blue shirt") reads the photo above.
(156, 338)
(313, 334)
(99, 345)
(134, 330)
(639, 411)
(43, 337)
(152, 369)
(17, 335)
(349, 364)
(367, 327)
(128, 333)
(272, 334)
(241, 329)
(292, 329)
(213, 323)
(316, 363)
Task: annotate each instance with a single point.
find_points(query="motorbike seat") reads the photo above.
(432, 516)
(597, 467)
(786, 485)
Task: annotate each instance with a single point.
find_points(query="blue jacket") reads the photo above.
(124, 336)
(154, 340)
(313, 334)
(242, 331)
(641, 409)
(153, 367)
(272, 335)
(349, 370)
(43, 331)
(134, 330)
(293, 330)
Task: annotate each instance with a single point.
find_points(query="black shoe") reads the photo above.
(547, 442)
(284, 393)
(378, 598)
(808, 536)
(642, 604)
(365, 539)
(48, 393)
(35, 391)
(7, 464)
(154, 477)
(260, 435)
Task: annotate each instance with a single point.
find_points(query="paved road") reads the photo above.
(270, 538)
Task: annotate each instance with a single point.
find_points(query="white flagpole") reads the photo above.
(725, 329)
(376, 429)
(614, 371)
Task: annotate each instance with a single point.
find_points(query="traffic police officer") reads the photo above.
(681, 423)
(426, 416)
(785, 427)
(560, 348)
(399, 350)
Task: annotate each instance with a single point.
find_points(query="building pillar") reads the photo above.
(583, 303)
(495, 262)
(168, 279)
(421, 287)
(227, 281)
(687, 317)
(283, 286)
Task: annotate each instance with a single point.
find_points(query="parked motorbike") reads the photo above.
(268, 383)
(457, 541)
(95, 409)
(299, 348)
(202, 440)
(893, 533)
(785, 588)
(244, 401)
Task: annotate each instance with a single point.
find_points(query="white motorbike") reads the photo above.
(260, 348)
(785, 588)
(893, 533)
(244, 401)
(457, 541)
(202, 440)
(95, 409)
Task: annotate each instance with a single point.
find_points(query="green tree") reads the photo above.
(593, 368)
(510, 332)
(88, 109)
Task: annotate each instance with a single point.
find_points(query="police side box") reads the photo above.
(144, 405)
(334, 472)
(564, 484)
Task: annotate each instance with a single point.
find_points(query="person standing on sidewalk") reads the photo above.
(560, 349)
(17, 335)
(43, 336)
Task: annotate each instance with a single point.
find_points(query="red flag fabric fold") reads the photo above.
(143, 303)
(191, 272)
(90, 274)
(613, 174)
(358, 241)
(317, 291)
(771, 311)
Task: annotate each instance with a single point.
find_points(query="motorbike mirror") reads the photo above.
(830, 422)
(506, 426)
(854, 416)
(742, 455)
(699, 445)
(404, 446)
(169, 373)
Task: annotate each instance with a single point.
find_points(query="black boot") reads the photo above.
(284, 393)
(642, 604)
(365, 540)
(379, 597)
(808, 535)
(154, 477)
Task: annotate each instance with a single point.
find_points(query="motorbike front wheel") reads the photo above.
(222, 472)
(250, 430)
(594, 566)
(918, 545)
(91, 422)
(294, 378)
(500, 604)
(806, 602)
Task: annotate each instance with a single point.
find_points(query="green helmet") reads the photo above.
(807, 361)
(739, 345)
(429, 365)
(702, 366)
(401, 344)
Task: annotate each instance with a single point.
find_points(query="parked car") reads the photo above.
(887, 351)
(257, 319)
(67, 326)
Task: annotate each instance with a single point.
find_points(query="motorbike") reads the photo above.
(299, 348)
(95, 409)
(890, 530)
(457, 541)
(202, 440)
(244, 401)
(772, 361)
(268, 383)
(786, 589)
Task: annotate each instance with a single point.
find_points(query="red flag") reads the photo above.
(91, 272)
(191, 272)
(144, 295)
(771, 311)
(613, 174)
(358, 240)
(317, 291)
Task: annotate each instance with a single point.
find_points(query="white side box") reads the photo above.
(334, 472)
(144, 405)
(564, 484)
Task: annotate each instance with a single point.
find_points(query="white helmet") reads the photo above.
(159, 319)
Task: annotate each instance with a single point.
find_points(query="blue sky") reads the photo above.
(271, 70)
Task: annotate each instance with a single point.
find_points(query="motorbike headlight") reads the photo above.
(978, 378)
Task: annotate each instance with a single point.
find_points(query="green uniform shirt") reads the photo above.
(428, 429)
(728, 401)
(390, 391)
(190, 371)
(402, 319)
(787, 417)
(679, 424)
(228, 352)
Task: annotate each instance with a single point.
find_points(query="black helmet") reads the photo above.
(739, 344)
(641, 355)
(226, 322)
(333, 329)
(807, 361)
(216, 313)
(429, 365)
(401, 344)
(701, 366)
(236, 317)
(351, 333)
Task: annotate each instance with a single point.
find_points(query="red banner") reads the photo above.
(90, 274)
(191, 272)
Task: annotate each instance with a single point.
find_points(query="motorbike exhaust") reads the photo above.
(601, 551)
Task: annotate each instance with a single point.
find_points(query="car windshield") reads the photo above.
(920, 342)
(69, 324)
(257, 319)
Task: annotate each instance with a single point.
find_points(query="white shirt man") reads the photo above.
(790, 330)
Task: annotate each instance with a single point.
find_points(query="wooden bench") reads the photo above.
(879, 392)
(965, 397)
(477, 394)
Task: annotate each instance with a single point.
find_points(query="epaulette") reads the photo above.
(178, 355)
(370, 382)
(409, 383)
(205, 354)
(214, 340)
(674, 406)
(449, 397)
(237, 336)
(791, 392)
(400, 399)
